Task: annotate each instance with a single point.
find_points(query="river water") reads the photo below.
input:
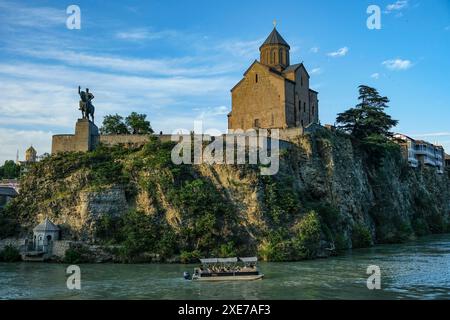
(417, 270)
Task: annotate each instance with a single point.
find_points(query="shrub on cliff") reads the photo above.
(10, 254)
(308, 234)
(280, 200)
(79, 254)
(190, 256)
(361, 237)
(9, 225)
(277, 247)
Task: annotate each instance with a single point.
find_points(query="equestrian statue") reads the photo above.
(86, 106)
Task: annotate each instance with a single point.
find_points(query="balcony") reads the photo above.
(429, 161)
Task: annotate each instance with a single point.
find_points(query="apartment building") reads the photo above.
(421, 153)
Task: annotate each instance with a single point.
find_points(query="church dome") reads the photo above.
(31, 154)
(274, 52)
(275, 38)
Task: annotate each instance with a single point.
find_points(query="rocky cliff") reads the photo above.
(329, 195)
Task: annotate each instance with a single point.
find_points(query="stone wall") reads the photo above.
(60, 247)
(86, 138)
(18, 243)
(259, 96)
(63, 143)
(130, 139)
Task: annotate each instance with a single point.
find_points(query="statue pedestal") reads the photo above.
(86, 135)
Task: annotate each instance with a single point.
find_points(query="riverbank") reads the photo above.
(416, 270)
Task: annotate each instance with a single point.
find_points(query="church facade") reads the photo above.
(274, 94)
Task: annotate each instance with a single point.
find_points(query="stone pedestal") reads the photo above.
(86, 135)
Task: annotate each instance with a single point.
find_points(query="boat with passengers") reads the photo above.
(227, 269)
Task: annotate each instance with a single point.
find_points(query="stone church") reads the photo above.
(273, 93)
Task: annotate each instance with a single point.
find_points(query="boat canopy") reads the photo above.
(218, 260)
(228, 260)
(208, 261)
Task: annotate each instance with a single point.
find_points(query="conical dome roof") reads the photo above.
(46, 225)
(275, 38)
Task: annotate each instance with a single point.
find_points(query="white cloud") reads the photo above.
(19, 140)
(396, 6)
(242, 49)
(339, 53)
(397, 64)
(375, 76)
(314, 49)
(16, 15)
(35, 101)
(316, 71)
(168, 67)
(145, 34)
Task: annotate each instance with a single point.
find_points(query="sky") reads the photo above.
(176, 61)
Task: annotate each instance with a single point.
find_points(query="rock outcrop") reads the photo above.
(324, 180)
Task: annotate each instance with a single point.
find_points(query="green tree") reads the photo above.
(10, 170)
(114, 124)
(138, 124)
(368, 120)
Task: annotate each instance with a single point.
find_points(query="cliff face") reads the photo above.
(327, 196)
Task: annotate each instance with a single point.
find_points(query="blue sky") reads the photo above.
(177, 60)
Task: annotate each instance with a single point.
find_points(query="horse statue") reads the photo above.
(86, 106)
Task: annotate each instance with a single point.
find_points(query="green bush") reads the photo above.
(307, 240)
(227, 250)
(361, 237)
(190, 256)
(9, 225)
(77, 255)
(10, 254)
(276, 247)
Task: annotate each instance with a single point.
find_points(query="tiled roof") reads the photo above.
(275, 38)
(46, 225)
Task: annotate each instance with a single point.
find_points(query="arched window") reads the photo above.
(256, 78)
(281, 56)
(272, 59)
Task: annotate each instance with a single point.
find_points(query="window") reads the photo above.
(256, 78)
(301, 80)
(304, 106)
(256, 123)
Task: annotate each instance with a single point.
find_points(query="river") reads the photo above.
(416, 270)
